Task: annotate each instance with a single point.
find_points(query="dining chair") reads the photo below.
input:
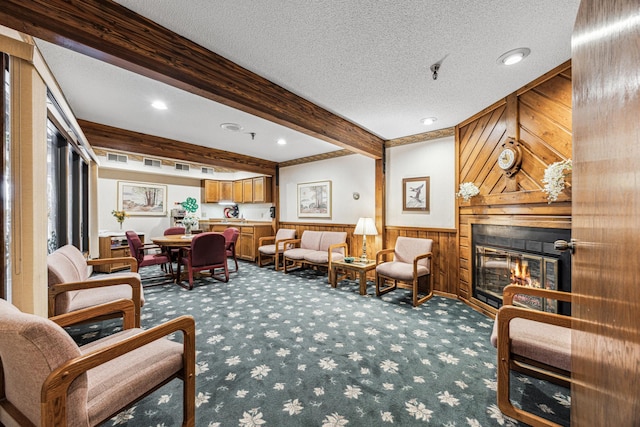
(207, 252)
(231, 235)
(173, 231)
(139, 250)
(48, 380)
(410, 268)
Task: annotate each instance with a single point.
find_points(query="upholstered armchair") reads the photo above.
(140, 252)
(535, 343)
(48, 380)
(231, 235)
(271, 247)
(207, 252)
(409, 268)
(71, 286)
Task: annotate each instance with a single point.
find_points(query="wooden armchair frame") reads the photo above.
(508, 360)
(55, 387)
(262, 241)
(132, 281)
(381, 256)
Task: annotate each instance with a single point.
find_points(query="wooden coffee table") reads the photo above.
(360, 268)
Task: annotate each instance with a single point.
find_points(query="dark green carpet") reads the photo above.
(289, 350)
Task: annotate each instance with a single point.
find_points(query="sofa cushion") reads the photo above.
(67, 264)
(298, 253)
(311, 240)
(331, 238)
(400, 270)
(543, 342)
(322, 257)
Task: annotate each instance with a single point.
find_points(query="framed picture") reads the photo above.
(140, 198)
(314, 199)
(415, 194)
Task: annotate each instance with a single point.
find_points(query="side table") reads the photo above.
(360, 268)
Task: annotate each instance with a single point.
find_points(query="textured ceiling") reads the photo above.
(366, 61)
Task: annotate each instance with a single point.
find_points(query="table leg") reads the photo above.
(363, 283)
(333, 277)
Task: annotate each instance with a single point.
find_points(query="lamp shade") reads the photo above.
(366, 226)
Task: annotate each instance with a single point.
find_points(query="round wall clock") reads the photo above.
(510, 157)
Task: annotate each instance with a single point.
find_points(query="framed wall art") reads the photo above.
(314, 199)
(415, 194)
(140, 198)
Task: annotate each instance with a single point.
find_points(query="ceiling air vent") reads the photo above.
(182, 167)
(121, 158)
(208, 171)
(152, 163)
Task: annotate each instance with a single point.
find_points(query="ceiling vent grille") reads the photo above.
(121, 158)
(207, 171)
(154, 163)
(182, 167)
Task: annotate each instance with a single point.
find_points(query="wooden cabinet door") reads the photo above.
(211, 191)
(238, 196)
(262, 189)
(226, 190)
(247, 190)
(245, 249)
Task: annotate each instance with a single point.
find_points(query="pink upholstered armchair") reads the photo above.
(207, 252)
(271, 247)
(410, 268)
(231, 235)
(48, 380)
(71, 286)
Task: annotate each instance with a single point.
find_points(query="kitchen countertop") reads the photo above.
(238, 222)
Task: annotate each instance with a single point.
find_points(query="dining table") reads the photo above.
(174, 241)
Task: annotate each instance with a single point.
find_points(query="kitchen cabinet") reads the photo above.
(248, 241)
(114, 246)
(238, 196)
(247, 190)
(214, 191)
(262, 189)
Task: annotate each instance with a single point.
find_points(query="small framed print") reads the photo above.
(314, 199)
(415, 194)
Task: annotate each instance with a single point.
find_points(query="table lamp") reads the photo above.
(365, 227)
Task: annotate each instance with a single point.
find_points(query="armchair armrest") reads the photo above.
(332, 248)
(510, 290)
(292, 242)
(381, 255)
(131, 279)
(54, 389)
(124, 306)
(133, 263)
(418, 258)
(263, 240)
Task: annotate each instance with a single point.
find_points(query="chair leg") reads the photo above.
(276, 260)
(416, 300)
(380, 281)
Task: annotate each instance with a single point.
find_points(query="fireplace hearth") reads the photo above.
(504, 255)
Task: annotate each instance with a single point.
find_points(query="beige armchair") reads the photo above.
(71, 286)
(48, 380)
(410, 268)
(535, 343)
(271, 247)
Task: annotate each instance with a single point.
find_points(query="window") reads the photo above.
(5, 165)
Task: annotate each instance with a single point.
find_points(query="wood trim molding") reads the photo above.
(112, 33)
(108, 137)
(420, 137)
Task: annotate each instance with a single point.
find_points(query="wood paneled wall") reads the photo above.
(445, 252)
(539, 117)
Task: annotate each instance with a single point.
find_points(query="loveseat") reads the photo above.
(315, 248)
(72, 286)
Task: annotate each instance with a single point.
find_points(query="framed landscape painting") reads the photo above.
(415, 194)
(314, 199)
(139, 198)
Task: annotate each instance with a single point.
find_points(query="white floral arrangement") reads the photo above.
(467, 191)
(190, 220)
(554, 176)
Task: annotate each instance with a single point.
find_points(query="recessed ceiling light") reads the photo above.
(282, 141)
(514, 56)
(428, 121)
(159, 105)
(233, 127)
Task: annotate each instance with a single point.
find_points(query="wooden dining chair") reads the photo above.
(139, 251)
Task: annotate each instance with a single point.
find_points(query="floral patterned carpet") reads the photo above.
(289, 350)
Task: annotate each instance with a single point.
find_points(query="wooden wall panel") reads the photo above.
(539, 117)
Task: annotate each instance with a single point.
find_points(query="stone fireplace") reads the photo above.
(503, 255)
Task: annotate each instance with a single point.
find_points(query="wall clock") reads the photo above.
(510, 157)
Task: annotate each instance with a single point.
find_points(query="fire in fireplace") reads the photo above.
(525, 256)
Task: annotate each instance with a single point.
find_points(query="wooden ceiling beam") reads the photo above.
(112, 33)
(112, 138)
